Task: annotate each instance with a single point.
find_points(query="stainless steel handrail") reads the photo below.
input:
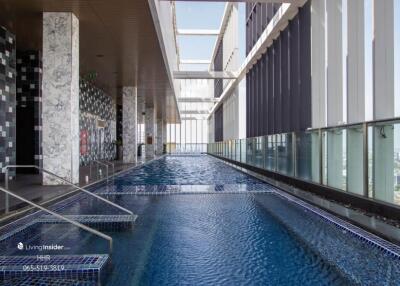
(103, 164)
(97, 170)
(111, 164)
(61, 179)
(75, 223)
(113, 168)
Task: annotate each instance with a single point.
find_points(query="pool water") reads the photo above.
(246, 238)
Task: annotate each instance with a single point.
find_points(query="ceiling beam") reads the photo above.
(198, 99)
(195, 112)
(245, 1)
(197, 32)
(203, 75)
(195, 62)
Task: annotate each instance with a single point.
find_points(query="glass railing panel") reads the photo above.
(355, 159)
(285, 154)
(384, 161)
(237, 150)
(334, 158)
(308, 156)
(250, 151)
(259, 152)
(243, 150)
(270, 153)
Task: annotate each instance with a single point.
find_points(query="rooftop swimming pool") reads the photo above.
(202, 222)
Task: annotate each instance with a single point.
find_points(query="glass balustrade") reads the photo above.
(362, 159)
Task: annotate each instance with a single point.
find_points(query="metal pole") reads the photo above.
(321, 161)
(294, 152)
(77, 224)
(365, 159)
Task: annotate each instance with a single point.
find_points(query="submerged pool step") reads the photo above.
(101, 222)
(78, 269)
(184, 189)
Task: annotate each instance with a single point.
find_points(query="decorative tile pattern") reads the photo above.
(97, 123)
(7, 100)
(29, 106)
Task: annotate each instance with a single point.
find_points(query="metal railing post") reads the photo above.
(294, 152)
(321, 161)
(103, 164)
(365, 159)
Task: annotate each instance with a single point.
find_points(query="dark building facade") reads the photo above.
(278, 86)
(218, 89)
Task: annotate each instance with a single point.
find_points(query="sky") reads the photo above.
(192, 15)
(195, 15)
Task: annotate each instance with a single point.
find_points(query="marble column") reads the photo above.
(129, 124)
(60, 96)
(150, 132)
(164, 134)
(159, 137)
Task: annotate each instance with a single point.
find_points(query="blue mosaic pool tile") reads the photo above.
(370, 238)
(184, 189)
(45, 281)
(76, 267)
(101, 222)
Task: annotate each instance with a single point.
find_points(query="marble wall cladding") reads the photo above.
(7, 99)
(60, 96)
(97, 122)
(29, 108)
(129, 123)
(150, 132)
(159, 137)
(164, 136)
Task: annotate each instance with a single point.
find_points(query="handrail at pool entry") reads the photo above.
(110, 164)
(61, 179)
(75, 223)
(98, 163)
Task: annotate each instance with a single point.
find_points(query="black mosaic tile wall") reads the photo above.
(119, 122)
(97, 123)
(7, 99)
(29, 108)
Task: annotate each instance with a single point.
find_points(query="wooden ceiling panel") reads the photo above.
(118, 41)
